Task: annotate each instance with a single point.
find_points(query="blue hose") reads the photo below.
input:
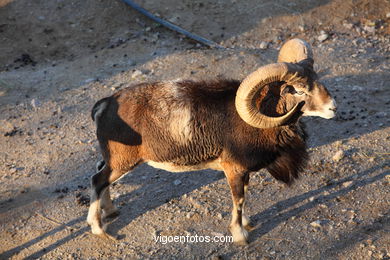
(173, 27)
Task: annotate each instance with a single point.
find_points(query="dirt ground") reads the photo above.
(57, 58)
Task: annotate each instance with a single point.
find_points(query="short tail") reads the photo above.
(99, 107)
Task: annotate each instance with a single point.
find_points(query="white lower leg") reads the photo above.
(94, 219)
(106, 204)
(245, 218)
(240, 235)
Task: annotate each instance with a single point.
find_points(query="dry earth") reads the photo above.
(57, 58)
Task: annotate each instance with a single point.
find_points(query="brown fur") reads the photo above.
(128, 135)
(188, 123)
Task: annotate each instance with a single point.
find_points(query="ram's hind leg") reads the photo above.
(100, 198)
(108, 208)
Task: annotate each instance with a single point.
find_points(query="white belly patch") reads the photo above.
(214, 165)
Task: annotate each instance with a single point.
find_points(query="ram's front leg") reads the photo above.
(236, 178)
(245, 219)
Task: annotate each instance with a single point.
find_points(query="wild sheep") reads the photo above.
(224, 125)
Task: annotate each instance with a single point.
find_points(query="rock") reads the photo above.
(115, 195)
(6, 126)
(338, 156)
(177, 182)
(277, 39)
(357, 88)
(219, 215)
(347, 184)
(116, 86)
(263, 45)
(316, 224)
(323, 36)
(323, 206)
(89, 80)
(381, 114)
(370, 29)
(348, 26)
(35, 103)
(174, 19)
(136, 74)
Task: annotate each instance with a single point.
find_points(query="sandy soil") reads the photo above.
(57, 58)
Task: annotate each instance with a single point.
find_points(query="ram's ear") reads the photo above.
(287, 89)
(307, 65)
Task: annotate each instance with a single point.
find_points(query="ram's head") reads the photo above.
(296, 82)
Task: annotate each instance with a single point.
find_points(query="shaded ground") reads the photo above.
(57, 58)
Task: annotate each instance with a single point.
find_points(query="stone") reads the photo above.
(338, 156)
(263, 45)
(348, 26)
(35, 103)
(370, 29)
(177, 182)
(347, 184)
(89, 80)
(316, 224)
(357, 88)
(136, 74)
(323, 36)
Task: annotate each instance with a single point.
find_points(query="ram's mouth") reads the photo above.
(328, 110)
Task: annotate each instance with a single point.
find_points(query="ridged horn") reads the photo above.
(251, 86)
(294, 51)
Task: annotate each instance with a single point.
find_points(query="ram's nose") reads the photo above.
(333, 106)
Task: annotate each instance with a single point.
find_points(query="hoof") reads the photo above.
(240, 235)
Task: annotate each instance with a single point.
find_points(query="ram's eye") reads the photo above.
(300, 92)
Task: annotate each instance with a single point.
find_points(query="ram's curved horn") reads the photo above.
(251, 86)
